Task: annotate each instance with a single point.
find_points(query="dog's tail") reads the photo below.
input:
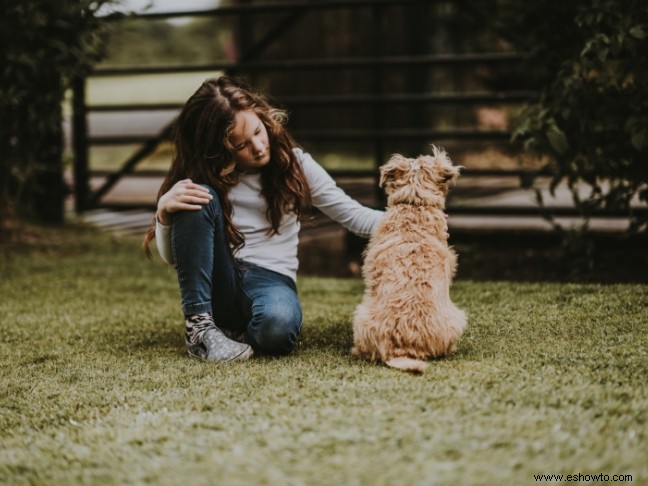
(407, 364)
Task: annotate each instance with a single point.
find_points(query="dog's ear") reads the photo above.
(446, 170)
(450, 173)
(392, 169)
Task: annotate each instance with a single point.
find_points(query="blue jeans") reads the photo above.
(240, 295)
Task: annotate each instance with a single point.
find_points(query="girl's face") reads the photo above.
(250, 141)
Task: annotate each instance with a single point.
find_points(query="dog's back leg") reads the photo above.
(360, 329)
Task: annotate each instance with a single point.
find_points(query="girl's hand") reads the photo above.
(183, 196)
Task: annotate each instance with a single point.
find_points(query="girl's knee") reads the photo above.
(210, 211)
(211, 190)
(275, 328)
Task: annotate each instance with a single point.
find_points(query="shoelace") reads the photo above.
(200, 324)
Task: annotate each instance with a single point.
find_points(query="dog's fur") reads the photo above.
(406, 315)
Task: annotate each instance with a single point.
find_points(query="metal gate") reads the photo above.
(378, 99)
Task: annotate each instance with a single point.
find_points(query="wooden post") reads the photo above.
(245, 38)
(379, 74)
(420, 29)
(354, 245)
(80, 145)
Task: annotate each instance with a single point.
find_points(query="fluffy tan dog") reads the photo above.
(406, 315)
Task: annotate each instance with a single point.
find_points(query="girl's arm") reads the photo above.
(334, 202)
(183, 196)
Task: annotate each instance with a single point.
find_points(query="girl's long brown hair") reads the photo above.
(203, 153)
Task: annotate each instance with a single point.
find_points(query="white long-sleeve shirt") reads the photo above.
(278, 252)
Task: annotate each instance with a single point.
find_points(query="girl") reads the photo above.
(228, 219)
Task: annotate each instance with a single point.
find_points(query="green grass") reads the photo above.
(97, 388)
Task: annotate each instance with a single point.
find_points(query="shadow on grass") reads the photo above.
(127, 342)
(334, 339)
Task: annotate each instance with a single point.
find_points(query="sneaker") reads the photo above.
(208, 343)
(234, 335)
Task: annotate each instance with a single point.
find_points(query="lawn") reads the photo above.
(549, 378)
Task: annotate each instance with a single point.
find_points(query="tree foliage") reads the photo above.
(45, 44)
(590, 59)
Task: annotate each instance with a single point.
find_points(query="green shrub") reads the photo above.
(591, 118)
(45, 44)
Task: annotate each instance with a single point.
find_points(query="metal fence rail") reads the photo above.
(271, 7)
(322, 64)
(366, 99)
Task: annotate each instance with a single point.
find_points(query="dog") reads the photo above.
(406, 315)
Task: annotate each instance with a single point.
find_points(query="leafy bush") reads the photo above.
(591, 118)
(45, 44)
